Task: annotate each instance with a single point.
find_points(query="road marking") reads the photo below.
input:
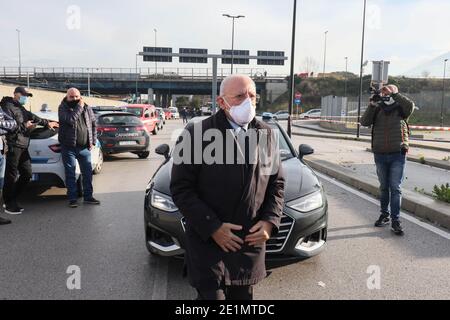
(373, 200)
(160, 275)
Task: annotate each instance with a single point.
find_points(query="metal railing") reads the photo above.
(130, 73)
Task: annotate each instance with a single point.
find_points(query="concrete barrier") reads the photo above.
(52, 98)
(420, 205)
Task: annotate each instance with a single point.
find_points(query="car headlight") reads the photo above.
(307, 203)
(162, 201)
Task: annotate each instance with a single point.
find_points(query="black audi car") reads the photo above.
(303, 230)
(120, 131)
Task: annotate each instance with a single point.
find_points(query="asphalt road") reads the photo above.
(107, 244)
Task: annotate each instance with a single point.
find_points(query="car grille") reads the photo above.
(274, 244)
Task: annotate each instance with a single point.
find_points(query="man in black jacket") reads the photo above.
(231, 207)
(18, 159)
(7, 124)
(77, 135)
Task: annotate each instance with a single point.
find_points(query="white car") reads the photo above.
(311, 114)
(281, 115)
(174, 112)
(46, 159)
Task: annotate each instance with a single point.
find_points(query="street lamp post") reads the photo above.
(20, 57)
(156, 63)
(137, 76)
(325, 54)
(292, 84)
(232, 37)
(346, 76)
(358, 130)
(443, 94)
(88, 82)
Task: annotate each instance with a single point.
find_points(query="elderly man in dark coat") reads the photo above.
(231, 208)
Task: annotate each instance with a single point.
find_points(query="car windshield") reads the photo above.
(120, 120)
(285, 150)
(136, 111)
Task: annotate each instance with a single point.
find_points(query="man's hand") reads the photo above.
(226, 239)
(389, 90)
(52, 125)
(260, 233)
(29, 125)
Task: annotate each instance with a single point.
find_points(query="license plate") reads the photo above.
(127, 143)
(34, 177)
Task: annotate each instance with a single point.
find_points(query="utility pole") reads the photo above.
(325, 54)
(20, 55)
(358, 130)
(292, 84)
(443, 94)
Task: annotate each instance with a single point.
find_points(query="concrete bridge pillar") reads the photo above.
(151, 99)
(165, 98)
(262, 99)
(157, 99)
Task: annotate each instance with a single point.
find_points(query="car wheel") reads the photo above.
(155, 131)
(99, 165)
(79, 187)
(143, 155)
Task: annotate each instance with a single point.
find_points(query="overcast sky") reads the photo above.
(110, 33)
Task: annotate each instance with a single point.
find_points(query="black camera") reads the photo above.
(376, 95)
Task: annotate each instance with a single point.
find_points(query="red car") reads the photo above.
(147, 114)
(168, 113)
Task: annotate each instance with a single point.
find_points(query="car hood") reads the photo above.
(300, 179)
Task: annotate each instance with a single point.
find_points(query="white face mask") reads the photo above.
(390, 101)
(244, 113)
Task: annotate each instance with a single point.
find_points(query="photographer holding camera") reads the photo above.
(388, 114)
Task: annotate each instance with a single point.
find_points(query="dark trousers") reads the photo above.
(18, 162)
(226, 293)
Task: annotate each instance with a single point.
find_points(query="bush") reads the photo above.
(442, 193)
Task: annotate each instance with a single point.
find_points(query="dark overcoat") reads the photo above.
(208, 195)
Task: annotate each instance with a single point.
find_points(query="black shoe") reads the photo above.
(73, 203)
(4, 221)
(396, 227)
(91, 201)
(383, 220)
(13, 209)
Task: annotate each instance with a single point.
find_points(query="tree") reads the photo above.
(310, 65)
(195, 102)
(425, 74)
(182, 101)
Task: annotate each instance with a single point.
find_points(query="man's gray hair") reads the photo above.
(230, 78)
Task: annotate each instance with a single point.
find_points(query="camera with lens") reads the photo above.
(376, 94)
(380, 75)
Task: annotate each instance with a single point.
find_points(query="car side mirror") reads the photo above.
(304, 150)
(164, 150)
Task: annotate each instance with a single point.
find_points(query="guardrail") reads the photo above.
(129, 74)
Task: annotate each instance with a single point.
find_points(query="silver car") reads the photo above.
(46, 159)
